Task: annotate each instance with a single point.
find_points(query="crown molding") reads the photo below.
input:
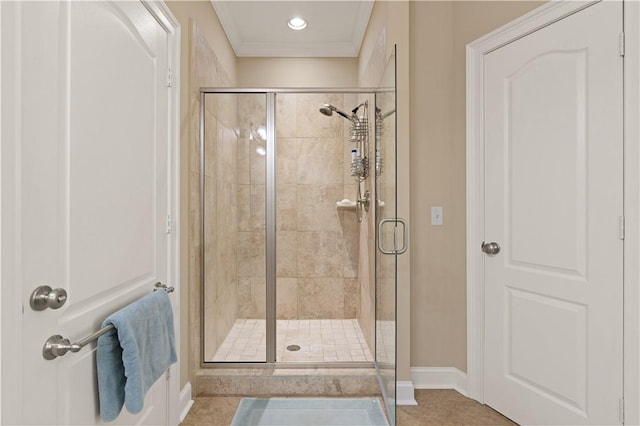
(249, 48)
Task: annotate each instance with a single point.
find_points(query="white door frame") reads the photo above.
(476, 51)
(10, 296)
(162, 12)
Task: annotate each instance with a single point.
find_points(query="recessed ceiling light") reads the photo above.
(297, 24)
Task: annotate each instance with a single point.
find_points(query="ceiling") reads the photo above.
(259, 28)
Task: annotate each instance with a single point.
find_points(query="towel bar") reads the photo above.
(57, 345)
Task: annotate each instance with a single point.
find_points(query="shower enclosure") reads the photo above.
(298, 228)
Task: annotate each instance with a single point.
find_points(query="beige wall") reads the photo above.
(201, 13)
(439, 34)
(297, 72)
(438, 307)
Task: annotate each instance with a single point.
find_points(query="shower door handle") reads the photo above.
(404, 236)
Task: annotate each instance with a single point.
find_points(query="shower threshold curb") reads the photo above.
(287, 382)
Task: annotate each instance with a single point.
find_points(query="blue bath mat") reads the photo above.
(309, 411)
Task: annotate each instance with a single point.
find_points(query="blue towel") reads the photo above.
(134, 355)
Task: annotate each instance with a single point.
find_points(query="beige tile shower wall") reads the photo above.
(221, 204)
(202, 13)
(389, 26)
(251, 208)
(316, 244)
(221, 220)
(386, 189)
(377, 274)
(366, 240)
(221, 198)
(366, 273)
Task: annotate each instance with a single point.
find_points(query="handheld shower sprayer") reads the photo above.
(355, 110)
(358, 134)
(381, 116)
(328, 110)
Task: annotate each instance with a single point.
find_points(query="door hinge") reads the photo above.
(621, 227)
(621, 44)
(169, 78)
(621, 410)
(169, 224)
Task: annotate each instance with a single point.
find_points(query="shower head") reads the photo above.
(328, 110)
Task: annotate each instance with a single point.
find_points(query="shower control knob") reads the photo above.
(490, 248)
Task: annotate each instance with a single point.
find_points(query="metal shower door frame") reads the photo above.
(270, 225)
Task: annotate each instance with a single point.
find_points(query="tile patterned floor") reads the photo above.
(319, 340)
(448, 407)
(386, 344)
(435, 407)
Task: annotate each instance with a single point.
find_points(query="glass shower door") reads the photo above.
(390, 235)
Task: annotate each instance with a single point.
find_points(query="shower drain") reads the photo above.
(293, 348)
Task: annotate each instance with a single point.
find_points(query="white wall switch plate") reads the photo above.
(436, 216)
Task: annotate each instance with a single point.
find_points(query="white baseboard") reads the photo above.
(404, 393)
(439, 378)
(185, 401)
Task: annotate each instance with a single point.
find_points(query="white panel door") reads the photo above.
(92, 188)
(553, 202)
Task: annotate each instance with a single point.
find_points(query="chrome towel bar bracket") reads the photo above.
(57, 345)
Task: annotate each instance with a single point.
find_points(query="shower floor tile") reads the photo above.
(319, 341)
(386, 341)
